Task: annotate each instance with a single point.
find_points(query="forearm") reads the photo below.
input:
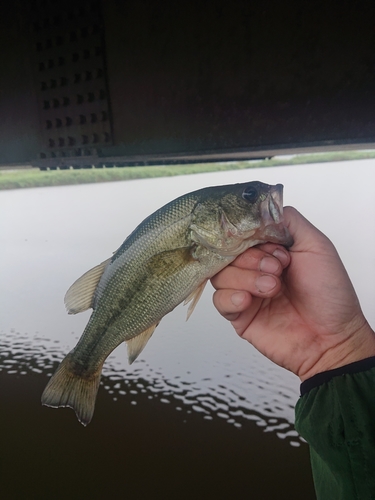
(336, 416)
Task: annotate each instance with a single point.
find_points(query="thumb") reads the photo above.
(307, 238)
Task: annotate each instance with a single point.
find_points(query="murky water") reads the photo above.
(199, 390)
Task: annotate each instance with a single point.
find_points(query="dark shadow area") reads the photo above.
(138, 451)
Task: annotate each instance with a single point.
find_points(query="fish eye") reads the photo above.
(250, 194)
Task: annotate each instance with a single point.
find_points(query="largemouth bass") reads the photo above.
(166, 260)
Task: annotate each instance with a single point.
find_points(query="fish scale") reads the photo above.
(167, 259)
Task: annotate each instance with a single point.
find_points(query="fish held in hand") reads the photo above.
(166, 260)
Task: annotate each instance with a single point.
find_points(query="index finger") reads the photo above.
(254, 257)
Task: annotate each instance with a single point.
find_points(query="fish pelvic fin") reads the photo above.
(194, 298)
(72, 387)
(80, 295)
(137, 344)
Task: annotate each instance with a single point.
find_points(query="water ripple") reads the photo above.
(235, 397)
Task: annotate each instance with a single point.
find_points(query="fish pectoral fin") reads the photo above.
(165, 263)
(80, 295)
(137, 344)
(194, 298)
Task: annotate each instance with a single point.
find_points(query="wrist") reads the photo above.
(324, 377)
(358, 345)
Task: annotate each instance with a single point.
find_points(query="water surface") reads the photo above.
(196, 375)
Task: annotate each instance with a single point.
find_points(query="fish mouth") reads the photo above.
(272, 217)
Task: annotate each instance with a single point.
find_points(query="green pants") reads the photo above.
(336, 416)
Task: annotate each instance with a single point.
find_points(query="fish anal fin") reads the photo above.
(72, 387)
(194, 298)
(80, 295)
(137, 344)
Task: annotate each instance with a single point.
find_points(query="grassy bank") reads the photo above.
(35, 178)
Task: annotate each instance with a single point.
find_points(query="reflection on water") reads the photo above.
(223, 395)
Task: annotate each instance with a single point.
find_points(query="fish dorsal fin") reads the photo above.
(137, 344)
(194, 298)
(80, 295)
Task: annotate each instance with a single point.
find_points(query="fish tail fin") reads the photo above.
(72, 386)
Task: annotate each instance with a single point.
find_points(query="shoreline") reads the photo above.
(32, 177)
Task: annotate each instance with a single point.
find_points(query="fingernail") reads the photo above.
(265, 283)
(269, 265)
(237, 298)
(282, 256)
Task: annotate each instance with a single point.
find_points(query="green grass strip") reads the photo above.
(30, 178)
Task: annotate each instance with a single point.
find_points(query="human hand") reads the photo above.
(297, 306)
